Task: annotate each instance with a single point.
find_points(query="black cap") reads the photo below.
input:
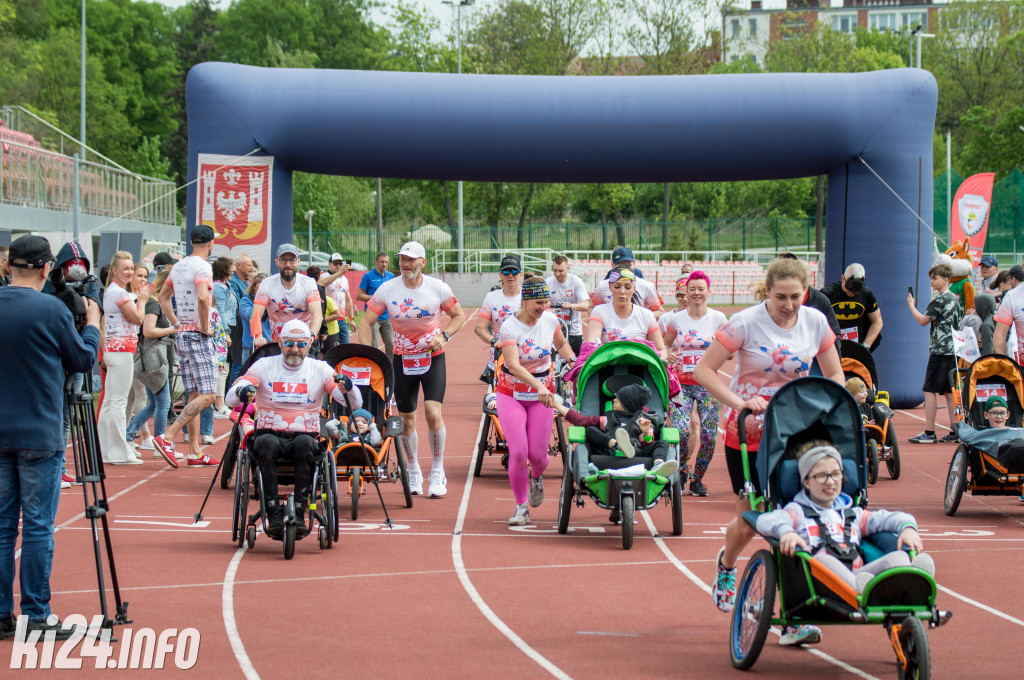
(161, 259)
(511, 261)
(1015, 272)
(202, 234)
(30, 252)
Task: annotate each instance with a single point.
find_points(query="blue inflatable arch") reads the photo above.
(611, 129)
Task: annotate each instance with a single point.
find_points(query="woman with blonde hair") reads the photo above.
(123, 313)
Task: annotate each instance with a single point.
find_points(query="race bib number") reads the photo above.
(359, 375)
(416, 364)
(983, 392)
(765, 393)
(688, 359)
(849, 334)
(563, 314)
(283, 392)
(523, 392)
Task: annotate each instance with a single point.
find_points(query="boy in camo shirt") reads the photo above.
(943, 313)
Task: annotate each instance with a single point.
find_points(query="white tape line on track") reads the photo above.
(474, 595)
(979, 605)
(660, 542)
(227, 600)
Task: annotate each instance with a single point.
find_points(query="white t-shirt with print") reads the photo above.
(415, 312)
(187, 275)
(1011, 311)
(336, 290)
(497, 307)
(283, 305)
(121, 334)
(572, 291)
(693, 337)
(637, 326)
(649, 297)
(536, 347)
(768, 357)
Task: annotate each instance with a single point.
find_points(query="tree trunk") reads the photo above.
(520, 231)
(664, 219)
(819, 213)
(620, 231)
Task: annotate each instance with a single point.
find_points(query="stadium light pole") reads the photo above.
(309, 222)
(458, 5)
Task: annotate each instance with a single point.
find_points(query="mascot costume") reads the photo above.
(960, 259)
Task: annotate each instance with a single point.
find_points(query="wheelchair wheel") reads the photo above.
(563, 447)
(332, 502)
(230, 456)
(289, 530)
(752, 615)
(677, 507)
(892, 463)
(914, 642)
(240, 516)
(627, 521)
(565, 500)
(250, 537)
(403, 471)
(322, 535)
(481, 443)
(356, 480)
(872, 461)
(956, 480)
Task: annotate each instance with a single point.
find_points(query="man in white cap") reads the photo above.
(415, 303)
(285, 296)
(288, 390)
(336, 286)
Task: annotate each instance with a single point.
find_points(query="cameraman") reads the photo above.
(40, 345)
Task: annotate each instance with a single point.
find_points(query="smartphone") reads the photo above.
(910, 290)
(348, 262)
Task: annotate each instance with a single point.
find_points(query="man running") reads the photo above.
(285, 296)
(648, 293)
(336, 285)
(568, 299)
(415, 302)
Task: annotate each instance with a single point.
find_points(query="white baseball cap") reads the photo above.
(336, 257)
(295, 329)
(413, 249)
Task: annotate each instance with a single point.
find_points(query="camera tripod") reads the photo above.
(89, 473)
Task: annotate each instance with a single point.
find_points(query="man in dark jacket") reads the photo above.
(76, 267)
(40, 346)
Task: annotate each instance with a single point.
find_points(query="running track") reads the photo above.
(452, 591)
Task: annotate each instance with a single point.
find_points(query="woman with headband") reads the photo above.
(527, 341)
(623, 318)
(689, 332)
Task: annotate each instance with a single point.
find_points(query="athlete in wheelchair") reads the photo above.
(288, 390)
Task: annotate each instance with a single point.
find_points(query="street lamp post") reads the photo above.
(309, 222)
(459, 4)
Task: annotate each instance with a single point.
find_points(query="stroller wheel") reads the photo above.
(892, 461)
(752, 615)
(565, 500)
(914, 643)
(627, 522)
(872, 461)
(956, 480)
(356, 483)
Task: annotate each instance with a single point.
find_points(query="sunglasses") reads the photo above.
(301, 344)
(510, 272)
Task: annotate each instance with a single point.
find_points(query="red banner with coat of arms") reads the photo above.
(969, 216)
(235, 195)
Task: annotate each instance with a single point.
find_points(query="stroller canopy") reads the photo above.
(628, 353)
(858, 361)
(366, 366)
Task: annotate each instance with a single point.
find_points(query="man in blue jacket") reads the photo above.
(40, 346)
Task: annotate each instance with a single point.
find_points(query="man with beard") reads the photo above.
(288, 390)
(286, 296)
(415, 302)
(856, 308)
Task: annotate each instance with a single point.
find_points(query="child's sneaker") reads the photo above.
(665, 468)
(924, 562)
(800, 635)
(626, 446)
(924, 438)
(862, 579)
(724, 591)
(949, 438)
(522, 516)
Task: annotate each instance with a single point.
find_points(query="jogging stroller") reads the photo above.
(879, 433)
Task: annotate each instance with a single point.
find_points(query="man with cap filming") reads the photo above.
(645, 290)
(855, 307)
(335, 284)
(497, 306)
(190, 283)
(288, 390)
(286, 296)
(40, 345)
(415, 303)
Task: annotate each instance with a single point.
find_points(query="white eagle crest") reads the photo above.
(229, 205)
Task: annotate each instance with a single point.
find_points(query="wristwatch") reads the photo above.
(494, 341)
(447, 335)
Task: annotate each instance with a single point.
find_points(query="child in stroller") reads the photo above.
(859, 390)
(365, 429)
(824, 522)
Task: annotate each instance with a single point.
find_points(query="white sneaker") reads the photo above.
(416, 481)
(536, 492)
(65, 485)
(665, 468)
(185, 436)
(521, 517)
(862, 579)
(131, 461)
(438, 485)
(146, 445)
(924, 562)
(222, 414)
(207, 439)
(622, 439)
(179, 456)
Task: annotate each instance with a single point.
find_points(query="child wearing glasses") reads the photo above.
(823, 521)
(1005, 442)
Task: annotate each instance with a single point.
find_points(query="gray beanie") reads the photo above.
(813, 455)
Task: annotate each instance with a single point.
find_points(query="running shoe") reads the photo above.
(521, 517)
(724, 591)
(863, 578)
(166, 451)
(146, 445)
(65, 481)
(665, 468)
(800, 635)
(222, 414)
(949, 438)
(128, 461)
(184, 436)
(207, 440)
(622, 439)
(923, 438)
(205, 459)
(697, 488)
(536, 492)
(615, 516)
(157, 454)
(924, 562)
(438, 485)
(415, 481)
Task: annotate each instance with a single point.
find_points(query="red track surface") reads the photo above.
(424, 600)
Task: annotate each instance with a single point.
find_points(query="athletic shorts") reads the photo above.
(936, 375)
(407, 387)
(197, 362)
(734, 461)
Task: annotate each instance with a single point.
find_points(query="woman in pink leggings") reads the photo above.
(527, 341)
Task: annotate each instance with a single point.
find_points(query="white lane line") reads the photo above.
(227, 600)
(917, 417)
(707, 589)
(474, 595)
(979, 605)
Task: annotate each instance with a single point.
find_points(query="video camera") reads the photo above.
(72, 294)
